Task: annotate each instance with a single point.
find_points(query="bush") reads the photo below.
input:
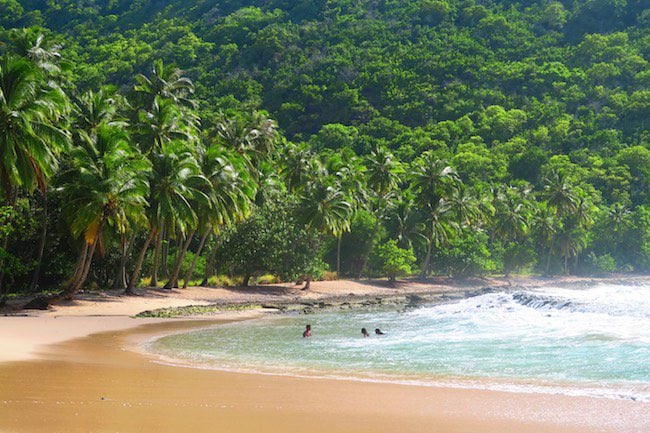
(393, 261)
(223, 281)
(329, 276)
(268, 279)
(467, 255)
(602, 263)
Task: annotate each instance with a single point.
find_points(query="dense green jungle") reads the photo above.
(150, 143)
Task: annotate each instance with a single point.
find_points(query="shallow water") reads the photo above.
(590, 341)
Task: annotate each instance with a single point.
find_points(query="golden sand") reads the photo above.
(95, 384)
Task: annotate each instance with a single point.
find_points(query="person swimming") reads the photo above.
(378, 332)
(307, 332)
(364, 332)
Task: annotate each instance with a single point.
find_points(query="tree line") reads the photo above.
(149, 179)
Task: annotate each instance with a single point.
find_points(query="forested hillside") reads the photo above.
(480, 136)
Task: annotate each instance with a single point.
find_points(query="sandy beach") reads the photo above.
(74, 369)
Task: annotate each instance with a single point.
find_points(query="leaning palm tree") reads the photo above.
(296, 165)
(169, 201)
(106, 189)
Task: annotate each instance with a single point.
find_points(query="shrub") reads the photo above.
(394, 261)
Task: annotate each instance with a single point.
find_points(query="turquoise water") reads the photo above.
(591, 341)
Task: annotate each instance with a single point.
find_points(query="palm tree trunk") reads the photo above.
(179, 261)
(196, 256)
(209, 265)
(165, 252)
(366, 256)
(427, 259)
(120, 281)
(156, 257)
(138, 266)
(566, 264)
(550, 252)
(338, 255)
(41, 248)
(3, 288)
(89, 260)
(80, 264)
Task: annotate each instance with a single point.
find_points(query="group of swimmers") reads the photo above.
(364, 332)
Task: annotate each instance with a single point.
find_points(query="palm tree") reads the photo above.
(383, 177)
(512, 214)
(106, 189)
(561, 201)
(165, 82)
(31, 136)
(297, 165)
(255, 137)
(231, 192)
(33, 46)
(406, 223)
(434, 183)
(326, 207)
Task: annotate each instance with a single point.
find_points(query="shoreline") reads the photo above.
(78, 351)
(24, 332)
(94, 384)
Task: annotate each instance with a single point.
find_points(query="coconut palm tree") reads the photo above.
(165, 82)
(383, 176)
(30, 123)
(255, 137)
(297, 165)
(406, 222)
(175, 181)
(434, 183)
(106, 189)
(560, 198)
(31, 134)
(231, 192)
(325, 206)
(513, 214)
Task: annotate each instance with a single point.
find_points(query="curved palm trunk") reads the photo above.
(173, 280)
(84, 275)
(80, 264)
(138, 266)
(41, 247)
(196, 256)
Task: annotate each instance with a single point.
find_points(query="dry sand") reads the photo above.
(92, 384)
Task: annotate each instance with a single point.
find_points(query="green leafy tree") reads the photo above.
(394, 261)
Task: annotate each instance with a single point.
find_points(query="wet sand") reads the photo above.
(96, 384)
